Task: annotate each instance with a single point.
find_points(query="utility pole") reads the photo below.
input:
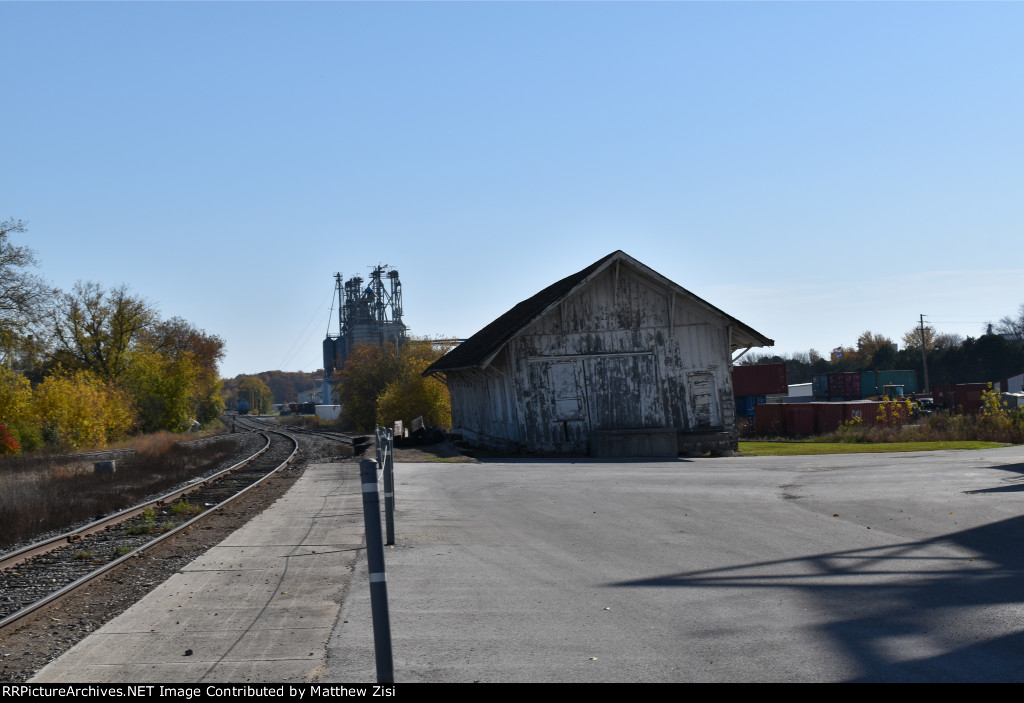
(924, 355)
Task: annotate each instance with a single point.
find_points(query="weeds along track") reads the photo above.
(44, 496)
(36, 576)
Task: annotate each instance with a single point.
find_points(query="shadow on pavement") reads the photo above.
(906, 612)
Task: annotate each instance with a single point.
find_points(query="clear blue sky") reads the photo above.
(813, 169)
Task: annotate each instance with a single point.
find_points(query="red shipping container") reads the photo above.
(866, 411)
(760, 379)
(828, 417)
(768, 420)
(844, 385)
(959, 396)
(799, 419)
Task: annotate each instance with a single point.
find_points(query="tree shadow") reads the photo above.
(1012, 485)
(916, 611)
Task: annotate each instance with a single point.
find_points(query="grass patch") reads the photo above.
(183, 507)
(434, 459)
(145, 522)
(802, 448)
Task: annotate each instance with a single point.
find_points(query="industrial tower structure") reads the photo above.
(370, 315)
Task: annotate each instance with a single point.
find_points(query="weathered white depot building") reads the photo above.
(614, 360)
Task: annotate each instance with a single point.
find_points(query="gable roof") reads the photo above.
(484, 344)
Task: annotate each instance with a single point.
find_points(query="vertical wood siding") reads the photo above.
(625, 351)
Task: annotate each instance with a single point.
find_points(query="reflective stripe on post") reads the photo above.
(378, 582)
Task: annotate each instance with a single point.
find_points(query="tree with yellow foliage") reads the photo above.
(79, 410)
(15, 411)
(383, 383)
(255, 392)
(162, 389)
(410, 395)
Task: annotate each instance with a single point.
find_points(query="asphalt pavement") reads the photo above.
(870, 567)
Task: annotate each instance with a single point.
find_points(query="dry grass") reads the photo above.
(47, 493)
(1007, 428)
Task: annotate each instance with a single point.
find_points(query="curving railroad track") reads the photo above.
(34, 632)
(358, 442)
(36, 576)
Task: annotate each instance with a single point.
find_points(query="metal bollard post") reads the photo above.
(378, 582)
(378, 438)
(389, 487)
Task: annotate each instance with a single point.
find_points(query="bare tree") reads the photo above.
(947, 340)
(24, 297)
(932, 339)
(1012, 326)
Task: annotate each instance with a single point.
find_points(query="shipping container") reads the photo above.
(828, 417)
(864, 410)
(873, 382)
(799, 419)
(819, 384)
(769, 420)
(807, 419)
(1012, 401)
(745, 404)
(1013, 384)
(759, 379)
(959, 397)
(906, 378)
(869, 384)
(845, 385)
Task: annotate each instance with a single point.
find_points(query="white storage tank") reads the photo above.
(328, 412)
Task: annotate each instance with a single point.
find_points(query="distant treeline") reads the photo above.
(990, 357)
(284, 386)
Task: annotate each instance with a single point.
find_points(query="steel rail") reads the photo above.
(18, 556)
(354, 440)
(71, 587)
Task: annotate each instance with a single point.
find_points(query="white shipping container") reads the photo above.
(1013, 400)
(1015, 384)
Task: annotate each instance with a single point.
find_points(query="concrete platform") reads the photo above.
(259, 607)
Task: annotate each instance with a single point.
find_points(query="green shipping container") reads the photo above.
(869, 384)
(872, 382)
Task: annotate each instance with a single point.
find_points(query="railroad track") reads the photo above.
(41, 574)
(358, 442)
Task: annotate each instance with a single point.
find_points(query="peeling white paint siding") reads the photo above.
(622, 352)
(482, 403)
